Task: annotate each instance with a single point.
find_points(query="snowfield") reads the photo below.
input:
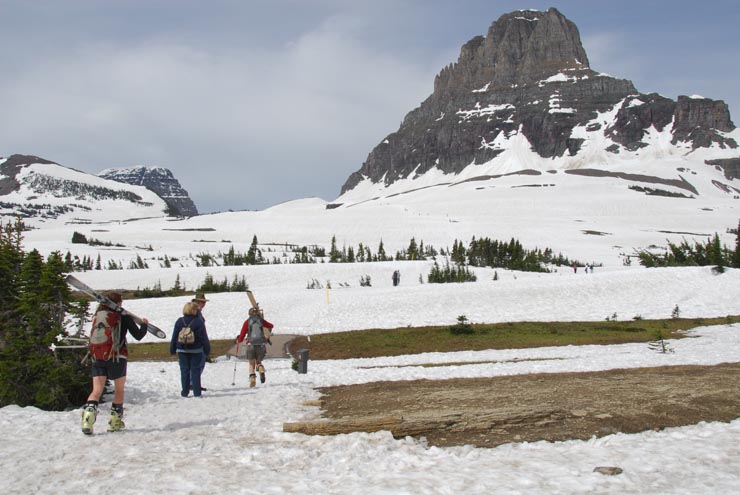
(231, 440)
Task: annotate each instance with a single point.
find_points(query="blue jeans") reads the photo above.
(191, 367)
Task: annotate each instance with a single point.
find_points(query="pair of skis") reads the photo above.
(153, 329)
(266, 331)
(106, 301)
(256, 306)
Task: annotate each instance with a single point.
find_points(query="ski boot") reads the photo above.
(261, 371)
(252, 380)
(115, 422)
(89, 414)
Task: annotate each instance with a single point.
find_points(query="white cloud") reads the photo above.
(318, 100)
(279, 89)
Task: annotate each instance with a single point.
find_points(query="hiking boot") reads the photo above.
(252, 380)
(89, 414)
(261, 371)
(115, 423)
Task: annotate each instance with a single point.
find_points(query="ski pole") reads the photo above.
(233, 379)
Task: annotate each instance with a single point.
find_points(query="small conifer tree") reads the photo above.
(676, 313)
(462, 327)
(36, 301)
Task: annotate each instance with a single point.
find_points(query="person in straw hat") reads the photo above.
(200, 300)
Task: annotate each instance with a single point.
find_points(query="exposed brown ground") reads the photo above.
(486, 412)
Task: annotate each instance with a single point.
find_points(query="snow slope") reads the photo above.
(231, 441)
(591, 219)
(85, 197)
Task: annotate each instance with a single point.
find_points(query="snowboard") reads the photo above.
(105, 301)
(256, 306)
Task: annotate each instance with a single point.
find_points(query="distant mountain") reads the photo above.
(40, 190)
(524, 97)
(161, 181)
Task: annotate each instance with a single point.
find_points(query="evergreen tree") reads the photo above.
(239, 284)
(334, 254)
(412, 252)
(716, 255)
(30, 286)
(254, 255)
(230, 257)
(11, 257)
(68, 263)
(458, 253)
(381, 252)
(30, 373)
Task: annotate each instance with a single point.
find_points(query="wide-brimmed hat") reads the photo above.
(200, 297)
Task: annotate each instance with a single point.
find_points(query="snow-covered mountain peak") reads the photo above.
(40, 191)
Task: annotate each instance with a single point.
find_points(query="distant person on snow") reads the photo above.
(253, 331)
(396, 278)
(110, 353)
(191, 352)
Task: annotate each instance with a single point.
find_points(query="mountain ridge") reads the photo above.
(528, 81)
(157, 179)
(34, 188)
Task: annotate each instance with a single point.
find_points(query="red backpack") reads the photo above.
(105, 336)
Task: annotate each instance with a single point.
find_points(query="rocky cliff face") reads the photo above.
(160, 181)
(530, 76)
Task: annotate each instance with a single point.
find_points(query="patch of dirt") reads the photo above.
(591, 172)
(486, 412)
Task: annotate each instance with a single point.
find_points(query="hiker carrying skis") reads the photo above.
(192, 352)
(253, 330)
(110, 353)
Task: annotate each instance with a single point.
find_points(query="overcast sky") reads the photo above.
(255, 102)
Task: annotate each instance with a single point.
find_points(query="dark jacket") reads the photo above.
(198, 326)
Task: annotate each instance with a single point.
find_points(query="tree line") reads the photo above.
(35, 302)
(479, 252)
(685, 253)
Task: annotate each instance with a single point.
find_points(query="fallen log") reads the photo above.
(399, 427)
(426, 424)
(338, 426)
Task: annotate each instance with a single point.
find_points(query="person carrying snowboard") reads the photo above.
(110, 354)
(254, 331)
